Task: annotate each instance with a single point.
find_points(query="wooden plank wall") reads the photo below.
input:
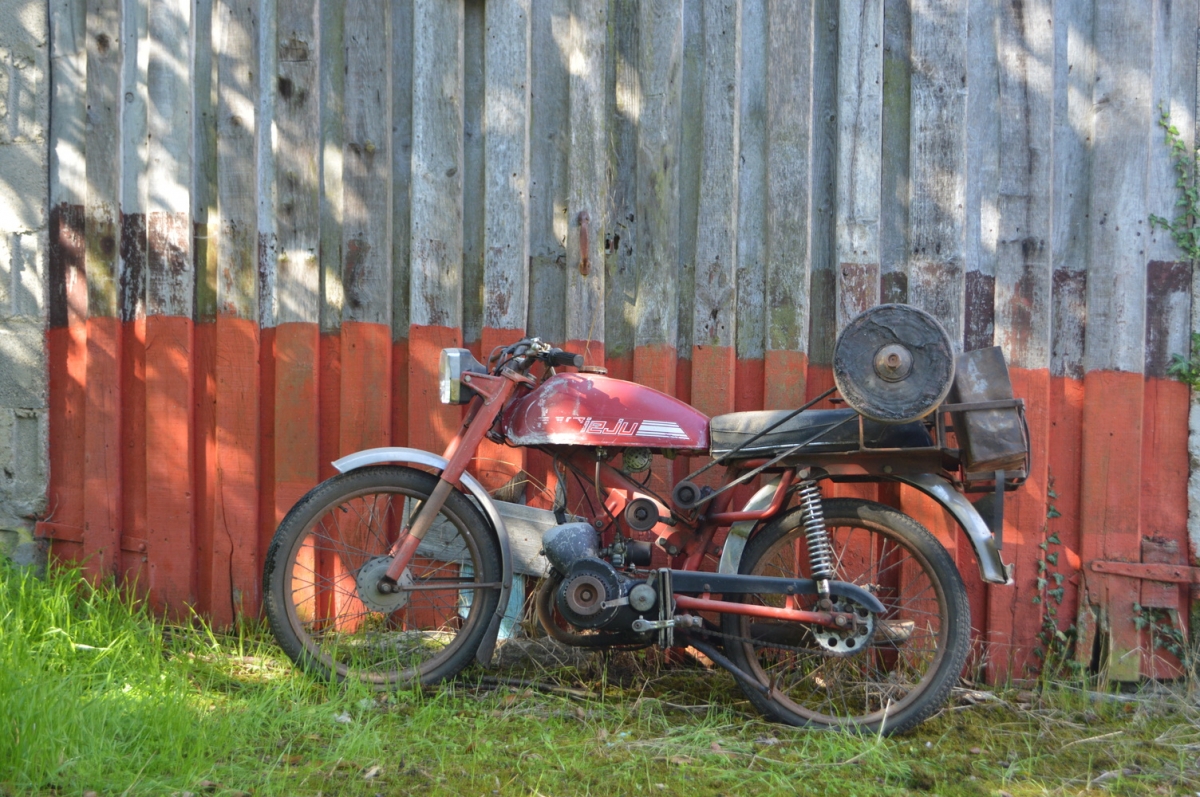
(269, 217)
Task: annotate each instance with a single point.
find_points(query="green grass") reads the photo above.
(96, 695)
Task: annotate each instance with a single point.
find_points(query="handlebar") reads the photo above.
(524, 353)
(557, 357)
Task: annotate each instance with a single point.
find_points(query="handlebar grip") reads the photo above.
(559, 357)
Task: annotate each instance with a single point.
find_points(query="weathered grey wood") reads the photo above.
(333, 81)
(1174, 91)
(474, 177)
(549, 130)
(367, 160)
(1074, 70)
(267, 245)
(170, 273)
(205, 216)
(624, 106)
(789, 181)
(937, 163)
(981, 218)
(1168, 290)
(587, 175)
(860, 137)
(102, 146)
(235, 49)
(1193, 491)
(691, 121)
(752, 180)
(68, 65)
(1124, 118)
(894, 182)
(660, 59)
(507, 60)
(714, 322)
(1023, 257)
(402, 102)
(822, 291)
(437, 164)
(297, 177)
(134, 141)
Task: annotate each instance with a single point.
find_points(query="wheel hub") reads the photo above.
(367, 585)
(852, 639)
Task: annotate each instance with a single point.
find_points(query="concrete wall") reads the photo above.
(24, 119)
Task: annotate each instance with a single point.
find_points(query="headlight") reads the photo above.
(452, 364)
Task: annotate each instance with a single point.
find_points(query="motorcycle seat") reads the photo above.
(727, 432)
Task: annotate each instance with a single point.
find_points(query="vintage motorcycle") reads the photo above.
(829, 612)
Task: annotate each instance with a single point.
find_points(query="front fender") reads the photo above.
(395, 455)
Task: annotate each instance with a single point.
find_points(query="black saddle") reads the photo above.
(727, 432)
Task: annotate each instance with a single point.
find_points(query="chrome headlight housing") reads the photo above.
(452, 364)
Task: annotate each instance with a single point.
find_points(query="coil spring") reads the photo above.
(820, 550)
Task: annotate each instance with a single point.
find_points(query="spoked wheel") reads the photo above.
(892, 670)
(325, 563)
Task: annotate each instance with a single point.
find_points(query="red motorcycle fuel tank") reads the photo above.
(593, 410)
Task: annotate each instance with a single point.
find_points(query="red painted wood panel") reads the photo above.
(295, 405)
(366, 416)
(236, 564)
(170, 476)
(102, 448)
(67, 358)
(330, 411)
(496, 464)
(1110, 493)
(1064, 478)
(400, 367)
(133, 456)
(204, 452)
(220, 427)
(1013, 619)
(786, 376)
(431, 424)
(1164, 510)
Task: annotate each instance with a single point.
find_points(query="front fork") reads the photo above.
(493, 393)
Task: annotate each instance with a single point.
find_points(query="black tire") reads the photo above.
(905, 664)
(313, 596)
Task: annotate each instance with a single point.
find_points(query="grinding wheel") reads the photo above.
(893, 363)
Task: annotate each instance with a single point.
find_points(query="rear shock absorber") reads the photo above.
(816, 537)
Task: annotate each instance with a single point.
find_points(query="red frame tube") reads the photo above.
(729, 518)
(494, 392)
(754, 610)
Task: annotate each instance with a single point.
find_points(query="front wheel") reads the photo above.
(329, 554)
(896, 668)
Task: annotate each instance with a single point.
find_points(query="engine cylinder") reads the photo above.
(570, 543)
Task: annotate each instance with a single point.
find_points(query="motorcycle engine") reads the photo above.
(593, 593)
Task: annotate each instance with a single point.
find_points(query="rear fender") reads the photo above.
(739, 533)
(414, 456)
(991, 567)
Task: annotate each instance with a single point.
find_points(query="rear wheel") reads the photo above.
(891, 672)
(326, 560)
